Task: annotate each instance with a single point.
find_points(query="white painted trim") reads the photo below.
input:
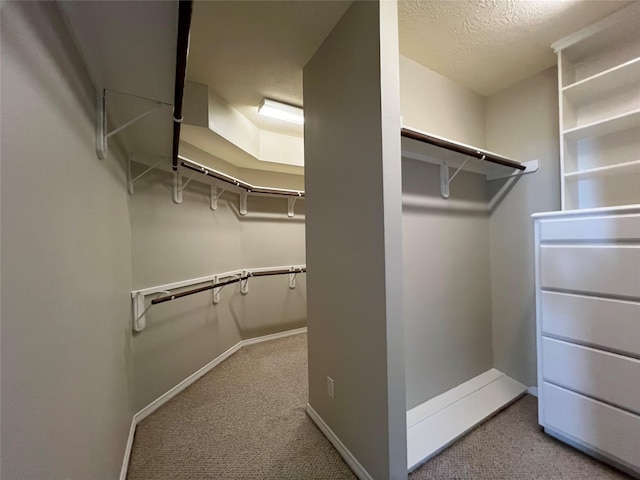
(584, 212)
(273, 336)
(127, 449)
(344, 452)
(533, 391)
(191, 379)
(439, 422)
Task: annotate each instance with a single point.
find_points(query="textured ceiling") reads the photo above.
(246, 51)
(488, 45)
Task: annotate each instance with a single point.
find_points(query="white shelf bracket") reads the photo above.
(291, 203)
(216, 291)
(244, 282)
(243, 202)
(101, 123)
(140, 311)
(131, 179)
(184, 185)
(292, 279)
(215, 195)
(179, 186)
(445, 179)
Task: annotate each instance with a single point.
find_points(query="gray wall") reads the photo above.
(447, 275)
(522, 122)
(447, 281)
(438, 105)
(353, 184)
(66, 263)
(173, 242)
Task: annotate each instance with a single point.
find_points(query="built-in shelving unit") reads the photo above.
(599, 88)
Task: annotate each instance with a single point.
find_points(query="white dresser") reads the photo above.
(588, 330)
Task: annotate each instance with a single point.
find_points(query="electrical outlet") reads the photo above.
(330, 387)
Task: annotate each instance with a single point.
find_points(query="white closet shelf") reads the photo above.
(604, 82)
(427, 147)
(603, 127)
(616, 169)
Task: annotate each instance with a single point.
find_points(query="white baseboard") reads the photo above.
(533, 391)
(127, 449)
(194, 377)
(273, 336)
(344, 452)
(437, 423)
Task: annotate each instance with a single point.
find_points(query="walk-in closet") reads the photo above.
(328, 239)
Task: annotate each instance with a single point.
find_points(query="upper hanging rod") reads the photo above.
(191, 165)
(282, 271)
(182, 50)
(463, 149)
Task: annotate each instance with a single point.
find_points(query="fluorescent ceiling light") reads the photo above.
(281, 111)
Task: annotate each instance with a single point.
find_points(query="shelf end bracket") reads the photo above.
(499, 172)
(101, 125)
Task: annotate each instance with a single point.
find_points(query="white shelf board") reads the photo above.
(617, 169)
(437, 423)
(104, 33)
(424, 152)
(603, 82)
(605, 126)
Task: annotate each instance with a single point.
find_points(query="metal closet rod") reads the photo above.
(196, 167)
(185, 8)
(463, 149)
(266, 273)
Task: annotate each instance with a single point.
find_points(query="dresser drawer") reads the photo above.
(610, 324)
(610, 269)
(606, 376)
(619, 227)
(599, 426)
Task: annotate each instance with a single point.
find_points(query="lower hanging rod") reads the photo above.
(460, 148)
(175, 296)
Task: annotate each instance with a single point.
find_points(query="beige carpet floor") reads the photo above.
(245, 420)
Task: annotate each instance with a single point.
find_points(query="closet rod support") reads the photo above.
(215, 195)
(177, 187)
(216, 290)
(102, 135)
(445, 179)
(244, 282)
(132, 121)
(139, 309)
(291, 203)
(131, 179)
(292, 278)
(101, 124)
(243, 202)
